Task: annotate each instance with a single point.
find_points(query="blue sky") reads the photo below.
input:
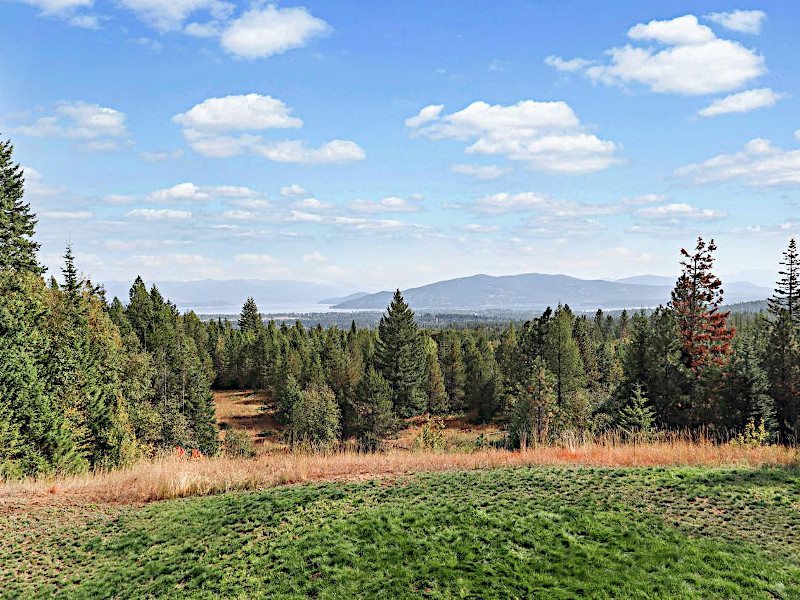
(381, 145)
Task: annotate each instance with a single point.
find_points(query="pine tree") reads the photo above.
(782, 363)
(17, 222)
(482, 385)
(401, 357)
(787, 290)
(453, 371)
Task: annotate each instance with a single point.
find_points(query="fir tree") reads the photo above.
(250, 318)
(401, 357)
(434, 380)
(17, 222)
(636, 417)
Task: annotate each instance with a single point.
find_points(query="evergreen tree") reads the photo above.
(636, 417)
(563, 357)
(534, 407)
(745, 389)
(373, 406)
(782, 364)
(787, 290)
(705, 337)
(250, 318)
(401, 357)
(482, 386)
(453, 371)
(17, 222)
(434, 380)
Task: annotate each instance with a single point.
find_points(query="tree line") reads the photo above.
(686, 365)
(86, 383)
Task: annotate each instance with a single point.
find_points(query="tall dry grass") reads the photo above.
(171, 477)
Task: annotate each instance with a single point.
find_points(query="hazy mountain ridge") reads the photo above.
(535, 291)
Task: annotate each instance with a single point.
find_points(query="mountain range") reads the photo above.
(536, 291)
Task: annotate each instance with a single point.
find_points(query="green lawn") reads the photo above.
(506, 533)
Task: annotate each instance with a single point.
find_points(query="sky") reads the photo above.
(376, 145)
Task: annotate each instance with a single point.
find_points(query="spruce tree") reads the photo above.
(17, 222)
(434, 380)
(534, 407)
(250, 318)
(787, 290)
(400, 356)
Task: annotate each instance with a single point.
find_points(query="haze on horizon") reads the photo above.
(395, 146)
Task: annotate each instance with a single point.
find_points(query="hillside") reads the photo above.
(536, 291)
(528, 533)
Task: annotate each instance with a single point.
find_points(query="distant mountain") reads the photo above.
(213, 295)
(536, 291)
(341, 299)
(648, 280)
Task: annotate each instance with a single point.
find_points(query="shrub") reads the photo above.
(239, 443)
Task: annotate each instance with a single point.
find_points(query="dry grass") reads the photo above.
(173, 478)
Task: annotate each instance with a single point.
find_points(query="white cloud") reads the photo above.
(478, 171)
(58, 7)
(35, 187)
(246, 112)
(694, 61)
(294, 191)
(743, 21)
(207, 126)
(238, 215)
(758, 164)
(190, 193)
(568, 66)
(476, 228)
(85, 21)
(644, 199)
(335, 152)
(385, 205)
(497, 204)
(264, 31)
(160, 156)
(169, 15)
(742, 102)
(313, 205)
(547, 136)
(678, 212)
(151, 214)
(315, 258)
(256, 259)
(98, 126)
(426, 115)
(81, 215)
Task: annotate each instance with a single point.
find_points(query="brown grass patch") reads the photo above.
(173, 478)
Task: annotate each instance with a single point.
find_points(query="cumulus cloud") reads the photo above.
(71, 215)
(743, 21)
(208, 127)
(691, 61)
(546, 136)
(385, 205)
(97, 126)
(568, 66)
(426, 115)
(313, 205)
(543, 204)
(190, 193)
(69, 10)
(478, 171)
(742, 102)
(35, 187)
(758, 164)
(264, 31)
(246, 112)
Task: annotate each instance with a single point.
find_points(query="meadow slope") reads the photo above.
(542, 532)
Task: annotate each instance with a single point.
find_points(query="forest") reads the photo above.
(87, 383)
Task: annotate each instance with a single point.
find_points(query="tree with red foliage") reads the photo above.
(704, 333)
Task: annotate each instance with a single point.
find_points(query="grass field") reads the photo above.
(548, 532)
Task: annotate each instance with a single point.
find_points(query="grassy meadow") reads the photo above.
(547, 532)
(584, 519)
